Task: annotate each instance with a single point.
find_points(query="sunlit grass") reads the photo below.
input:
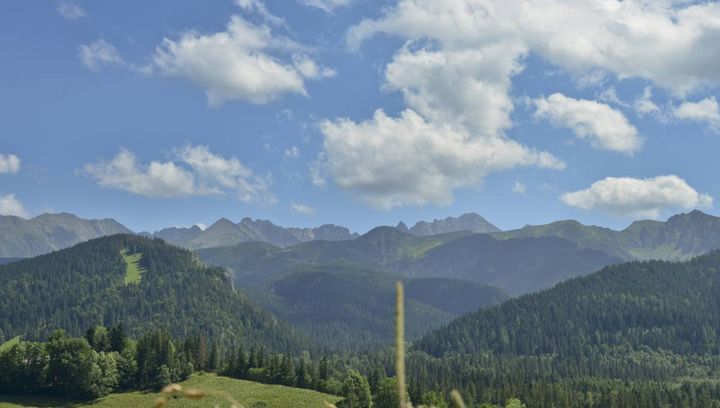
(133, 271)
(9, 344)
(216, 390)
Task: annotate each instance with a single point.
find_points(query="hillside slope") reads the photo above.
(86, 285)
(634, 306)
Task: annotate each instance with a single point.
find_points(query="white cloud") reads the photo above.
(645, 105)
(327, 6)
(310, 69)
(259, 7)
(519, 187)
(9, 163)
(245, 62)
(70, 10)
(409, 160)
(302, 208)
(195, 170)
(674, 44)
(604, 127)
(98, 54)
(455, 73)
(291, 153)
(469, 87)
(638, 197)
(9, 205)
(610, 96)
(706, 110)
(157, 179)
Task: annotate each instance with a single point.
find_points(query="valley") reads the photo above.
(548, 306)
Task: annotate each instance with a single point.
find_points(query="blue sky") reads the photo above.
(359, 113)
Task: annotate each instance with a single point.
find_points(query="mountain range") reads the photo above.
(21, 238)
(224, 233)
(467, 222)
(681, 237)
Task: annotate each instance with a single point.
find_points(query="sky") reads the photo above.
(359, 112)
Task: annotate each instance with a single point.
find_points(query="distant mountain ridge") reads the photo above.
(516, 265)
(467, 222)
(226, 233)
(681, 237)
(21, 238)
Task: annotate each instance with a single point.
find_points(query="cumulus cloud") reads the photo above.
(194, 170)
(9, 163)
(469, 87)
(604, 127)
(9, 205)
(245, 62)
(98, 54)
(704, 111)
(674, 44)
(327, 6)
(634, 197)
(409, 160)
(455, 73)
(302, 208)
(70, 10)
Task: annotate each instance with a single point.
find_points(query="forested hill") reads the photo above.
(653, 305)
(143, 283)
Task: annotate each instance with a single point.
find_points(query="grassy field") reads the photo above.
(133, 273)
(248, 393)
(9, 344)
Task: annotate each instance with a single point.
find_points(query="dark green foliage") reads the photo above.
(74, 369)
(454, 296)
(634, 306)
(343, 305)
(83, 286)
(356, 391)
(387, 394)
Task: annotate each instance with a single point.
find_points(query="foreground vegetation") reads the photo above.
(250, 394)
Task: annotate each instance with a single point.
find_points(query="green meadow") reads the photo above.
(134, 271)
(249, 394)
